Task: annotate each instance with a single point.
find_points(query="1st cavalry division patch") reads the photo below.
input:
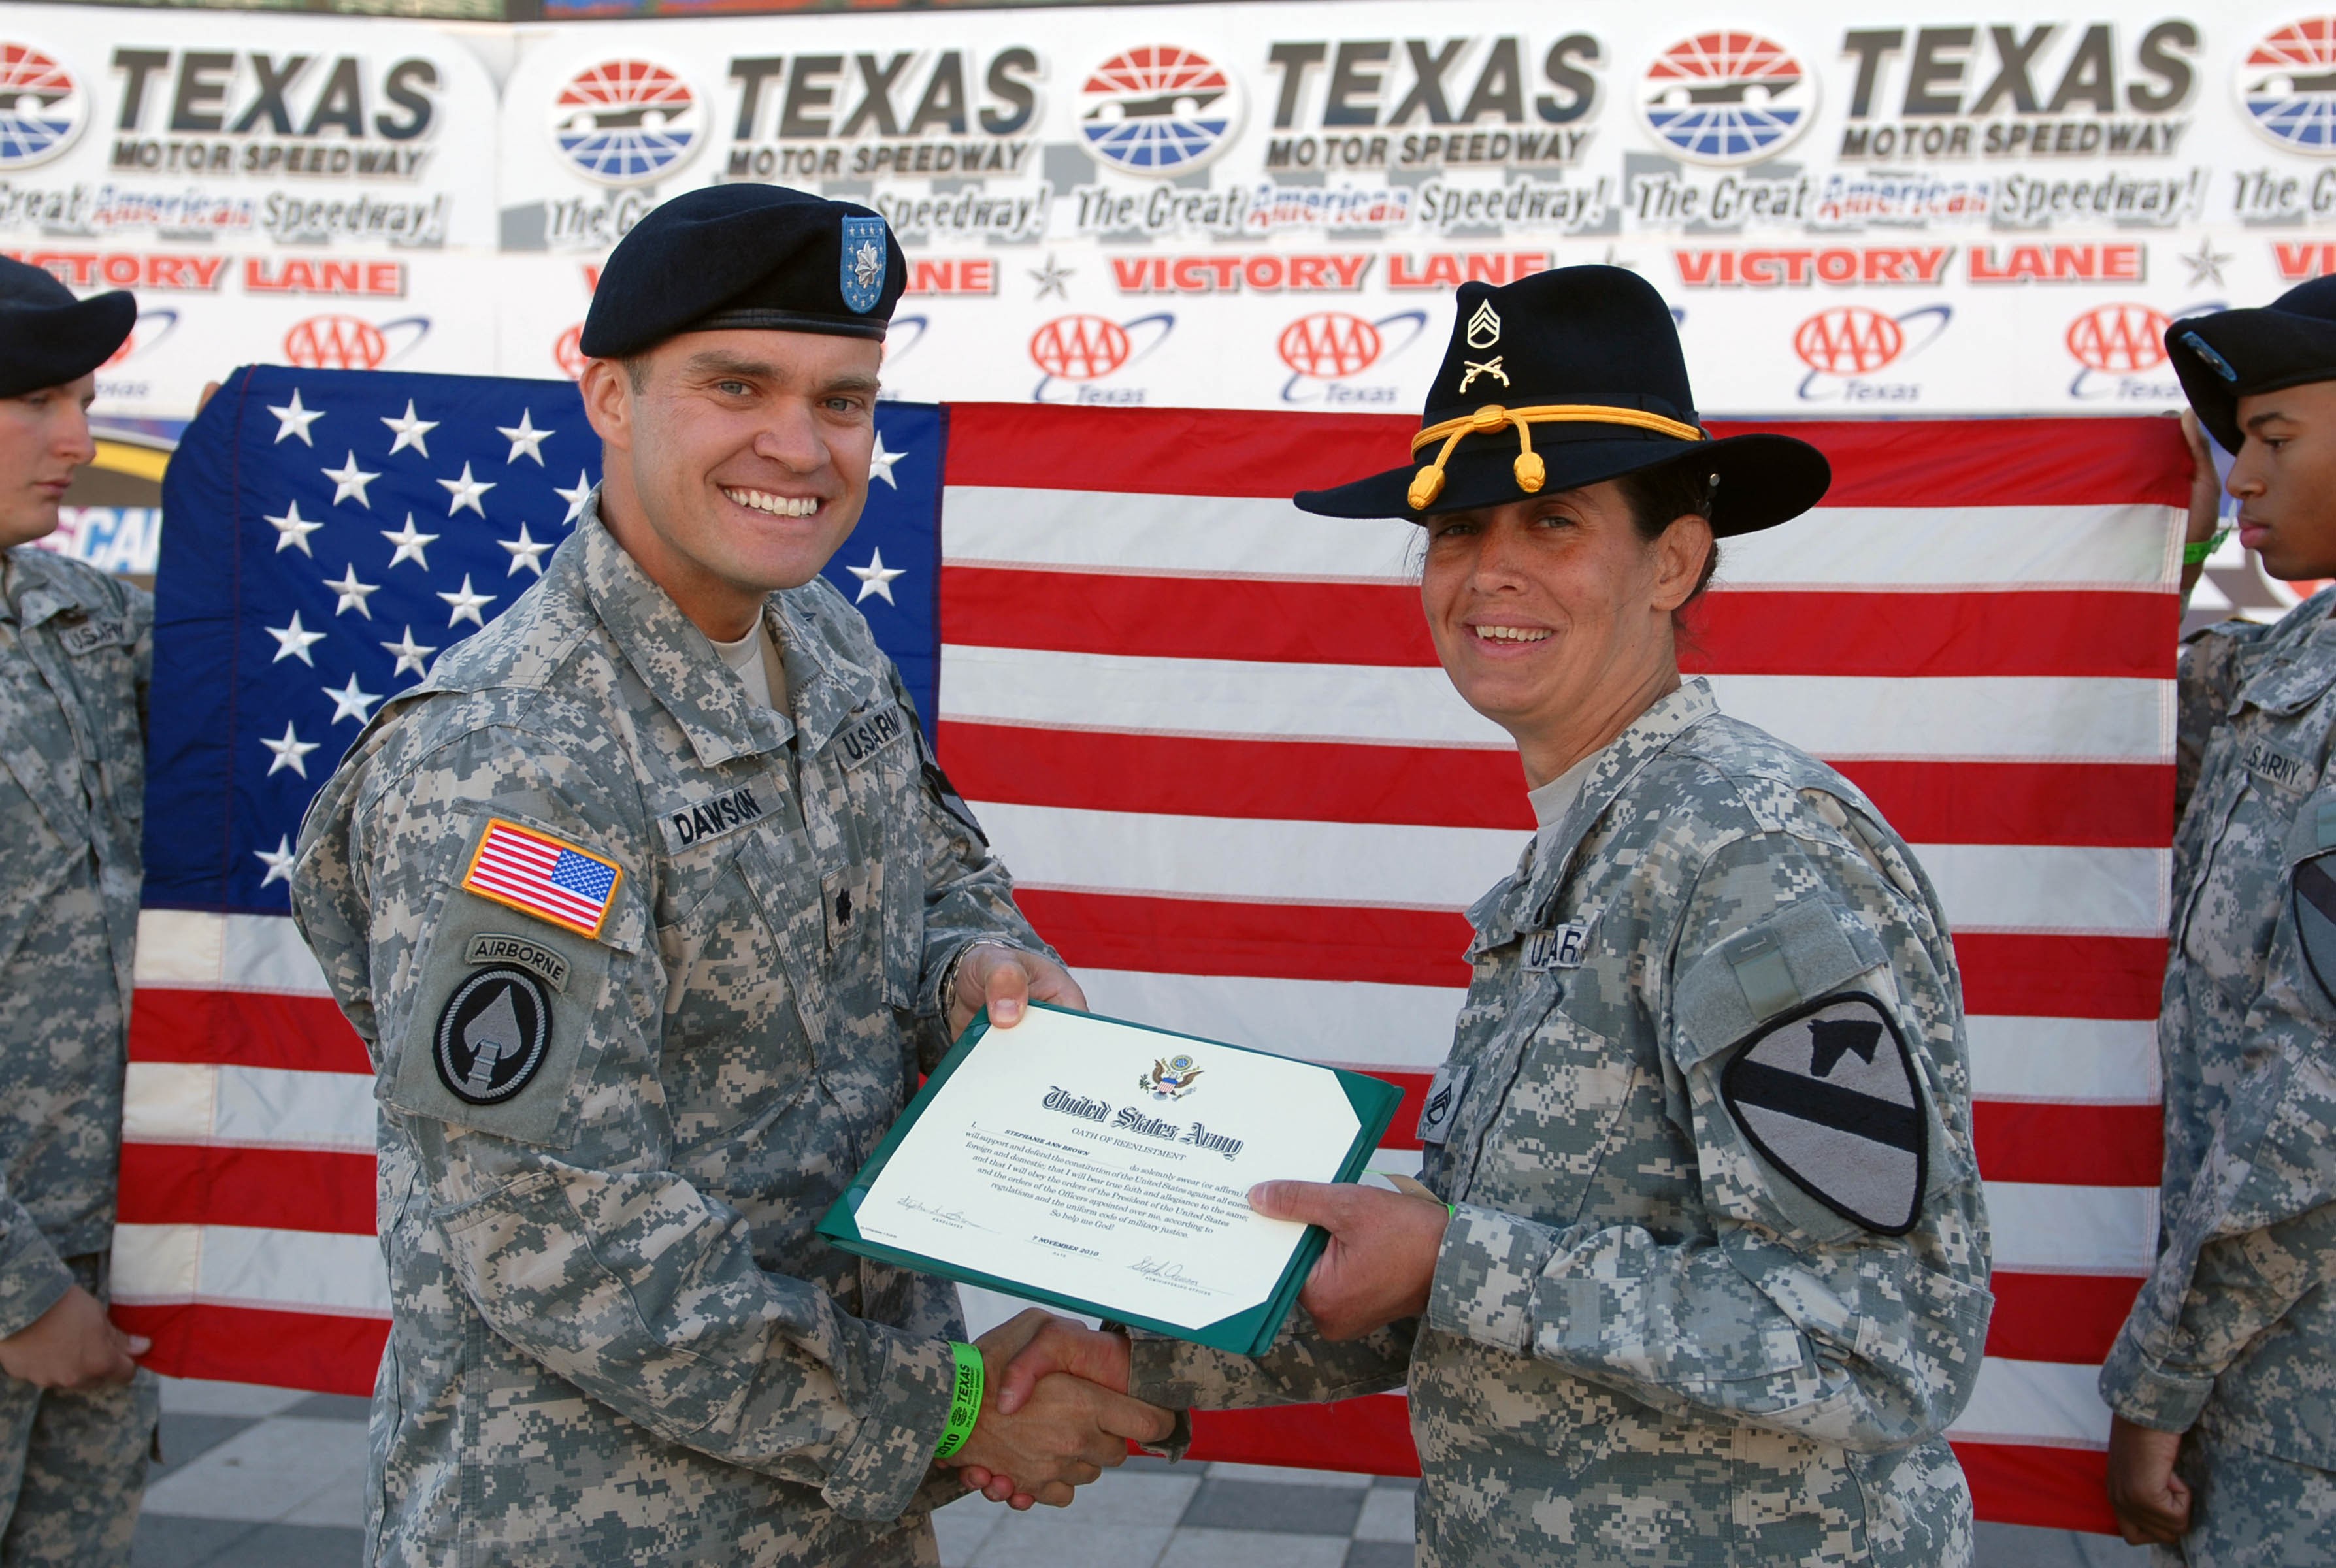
(2315, 917)
(1827, 1095)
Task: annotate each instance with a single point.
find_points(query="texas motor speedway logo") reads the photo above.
(1727, 97)
(627, 122)
(2287, 84)
(1160, 110)
(42, 107)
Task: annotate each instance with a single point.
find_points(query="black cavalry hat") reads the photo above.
(1563, 379)
(746, 255)
(2233, 354)
(47, 336)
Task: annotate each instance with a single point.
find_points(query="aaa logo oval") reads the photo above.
(2287, 84)
(1726, 96)
(1330, 344)
(2119, 339)
(1849, 340)
(41, 107)
(1079, 347)
(625, 122)
(336, 342)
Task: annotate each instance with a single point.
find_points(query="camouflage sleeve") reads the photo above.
(2204, 680)
(968, 894)
(2257, 1231)
(1300, 1367)
(33, 1278)
(1790, 1313)
(557, 1207)
(141, 619)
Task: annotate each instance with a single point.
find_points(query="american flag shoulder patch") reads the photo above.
(539, 875)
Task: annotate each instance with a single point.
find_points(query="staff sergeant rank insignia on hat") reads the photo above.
(862, 265)
(493, 1034)
(1827, 1095)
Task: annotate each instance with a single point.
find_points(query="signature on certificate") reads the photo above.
(1167, 1272)
(954, 1219)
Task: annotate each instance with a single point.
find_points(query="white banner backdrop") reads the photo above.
(1252, 206)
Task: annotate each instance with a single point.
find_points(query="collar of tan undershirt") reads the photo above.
(1555, 798)
(755, 661)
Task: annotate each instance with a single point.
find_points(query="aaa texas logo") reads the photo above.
(2287, 84)
(627, 122)
(41, 107)
(1726, 96)
(1159, 109)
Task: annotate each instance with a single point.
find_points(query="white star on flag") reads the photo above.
(465, 492)
(352, 593)
(881, 462)
(466, 605)
(279, 861)
(293, 641)
(410, 432)
(292, 528)
(525, 551)
(524, 437)
(294, 420)
(410, 653)
(350, 703)
(410, 542)
(876, 578)
(291, 752)
(349, 480)
(575, 498)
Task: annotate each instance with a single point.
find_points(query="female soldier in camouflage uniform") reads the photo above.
(1703, 1277)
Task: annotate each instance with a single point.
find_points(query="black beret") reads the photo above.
(2234, 354)
(746, 255)
(48, 337)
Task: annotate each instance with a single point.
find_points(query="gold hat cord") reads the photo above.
(1531, 472)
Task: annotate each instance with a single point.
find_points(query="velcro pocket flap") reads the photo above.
(1767, 970)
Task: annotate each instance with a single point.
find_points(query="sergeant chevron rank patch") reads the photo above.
(493, 1034)
(2315, 920)
(1828, 1096)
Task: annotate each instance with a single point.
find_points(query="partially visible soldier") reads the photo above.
(77, 1414)
(2223, 1380)
(650, 906)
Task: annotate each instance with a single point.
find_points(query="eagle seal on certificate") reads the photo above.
(1171, 1078)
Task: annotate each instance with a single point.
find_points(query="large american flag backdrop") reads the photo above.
(1209, 734)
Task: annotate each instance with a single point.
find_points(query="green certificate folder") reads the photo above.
(1144, 1137)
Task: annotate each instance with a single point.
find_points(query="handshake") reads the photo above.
(1058, 1413)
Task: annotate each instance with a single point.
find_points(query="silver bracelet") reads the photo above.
(949, 975)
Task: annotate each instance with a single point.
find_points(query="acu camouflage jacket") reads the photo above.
(616, 1336)
(76, 651)
(2237, 1324)
(1646, 1343)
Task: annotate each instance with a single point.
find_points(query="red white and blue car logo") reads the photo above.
(627, 122)
(41, 107)
(1159, 109)
(2287, 84)
(1726, 96)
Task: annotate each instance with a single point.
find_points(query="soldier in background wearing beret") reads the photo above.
(77, 1414)
(2223, 1451)
(650, 906)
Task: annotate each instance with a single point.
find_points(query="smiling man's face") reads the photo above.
(43, 437)
(736, 461)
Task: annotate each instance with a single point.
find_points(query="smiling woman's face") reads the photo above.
(1552, 616)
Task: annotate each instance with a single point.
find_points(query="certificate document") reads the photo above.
(1104, 1167)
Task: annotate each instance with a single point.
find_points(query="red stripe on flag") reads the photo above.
(2052, 1488)
(243, 1029)
(1742, 631)
(1371, 1435)
(314, 1350)
(274, 1189)
(2069, 1145)
(2036, 976)
(2108, 804)
(2071, 1318)
(1914, 462)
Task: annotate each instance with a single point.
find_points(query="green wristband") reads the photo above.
(965, 1400)
(2196, 554)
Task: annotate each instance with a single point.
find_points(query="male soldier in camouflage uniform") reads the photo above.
(1697, 1275)
(618, 1090)
(76, 1414)
(2223, 1380)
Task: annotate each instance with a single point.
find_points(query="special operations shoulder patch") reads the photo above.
(1828, 1096)
(493, 1034)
